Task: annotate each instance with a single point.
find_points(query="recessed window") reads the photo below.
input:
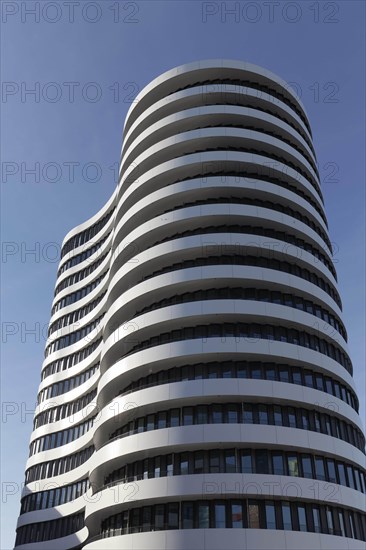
(302, 518)
(220, 516)
(203, 516)
(270, 515)
(286, 516)
(319, 468)
(292, 464)
(277, 464)
(187, 515)
(316, 519)
(237, 515)
(253, 515)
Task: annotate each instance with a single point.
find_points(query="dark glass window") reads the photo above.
(332, 477)
(263, 414)
(291, 417)
(296, 376)
(302, 518)
(198, 462)
(261, 462)
(277, 414)
(270, 515)
(341, 523)
(187, 416)
(330, 522)
(306, 466)
(174, 417)
(316, 519)
(220, 516)
(284, 374)
(286, 516)
(184, 464)
(187, 515)
(230, 462)
(246, 462)
(342, 474)
(203, 515)
(173, 515)
(159, 517)
(277, 464)
(217, 416)
(319, 468)
(214, 461)
(248, 414)
(162, 420)
(232, 414)
(350, 477)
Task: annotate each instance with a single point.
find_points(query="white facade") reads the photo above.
(197, 390)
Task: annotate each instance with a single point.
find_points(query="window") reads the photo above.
(220, 516)
(248, 414)
(296, 376)
(169, 465)
(157, 467)
(292, 464)
(319, 468)
(319, 382)
(174, 417)
(203, 516)
(263, 414)
(342, 474)
(270, 373)
(277, 414)
(306, 466)
(351, 524)
(214, 462)
(187, 416)
(277, 464)
(302, 518)
(332, 477)
(304, 419)
(217, 417)
(291, 417)
(246, 462)
(162, 423)
(330, 524)
(173, 515)
(198, 462)
(237, 514)
(134, 520)
(146, 518)
(284, 375)
(230, 462)
(150, 424)
(202, 414)
(350, 477)
(232, 414)
(316, 519)
(159, 517)
(286, 516)
(184, 464)
(261, 462)
(341, 523)
(270, 515)
(187, 515)
(253, 515)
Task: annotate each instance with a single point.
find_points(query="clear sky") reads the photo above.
(86, 62)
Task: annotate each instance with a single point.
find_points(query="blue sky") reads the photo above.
(104, 53)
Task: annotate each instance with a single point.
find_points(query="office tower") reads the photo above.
(197, 388)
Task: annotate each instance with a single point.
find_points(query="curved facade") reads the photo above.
(197, 388)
